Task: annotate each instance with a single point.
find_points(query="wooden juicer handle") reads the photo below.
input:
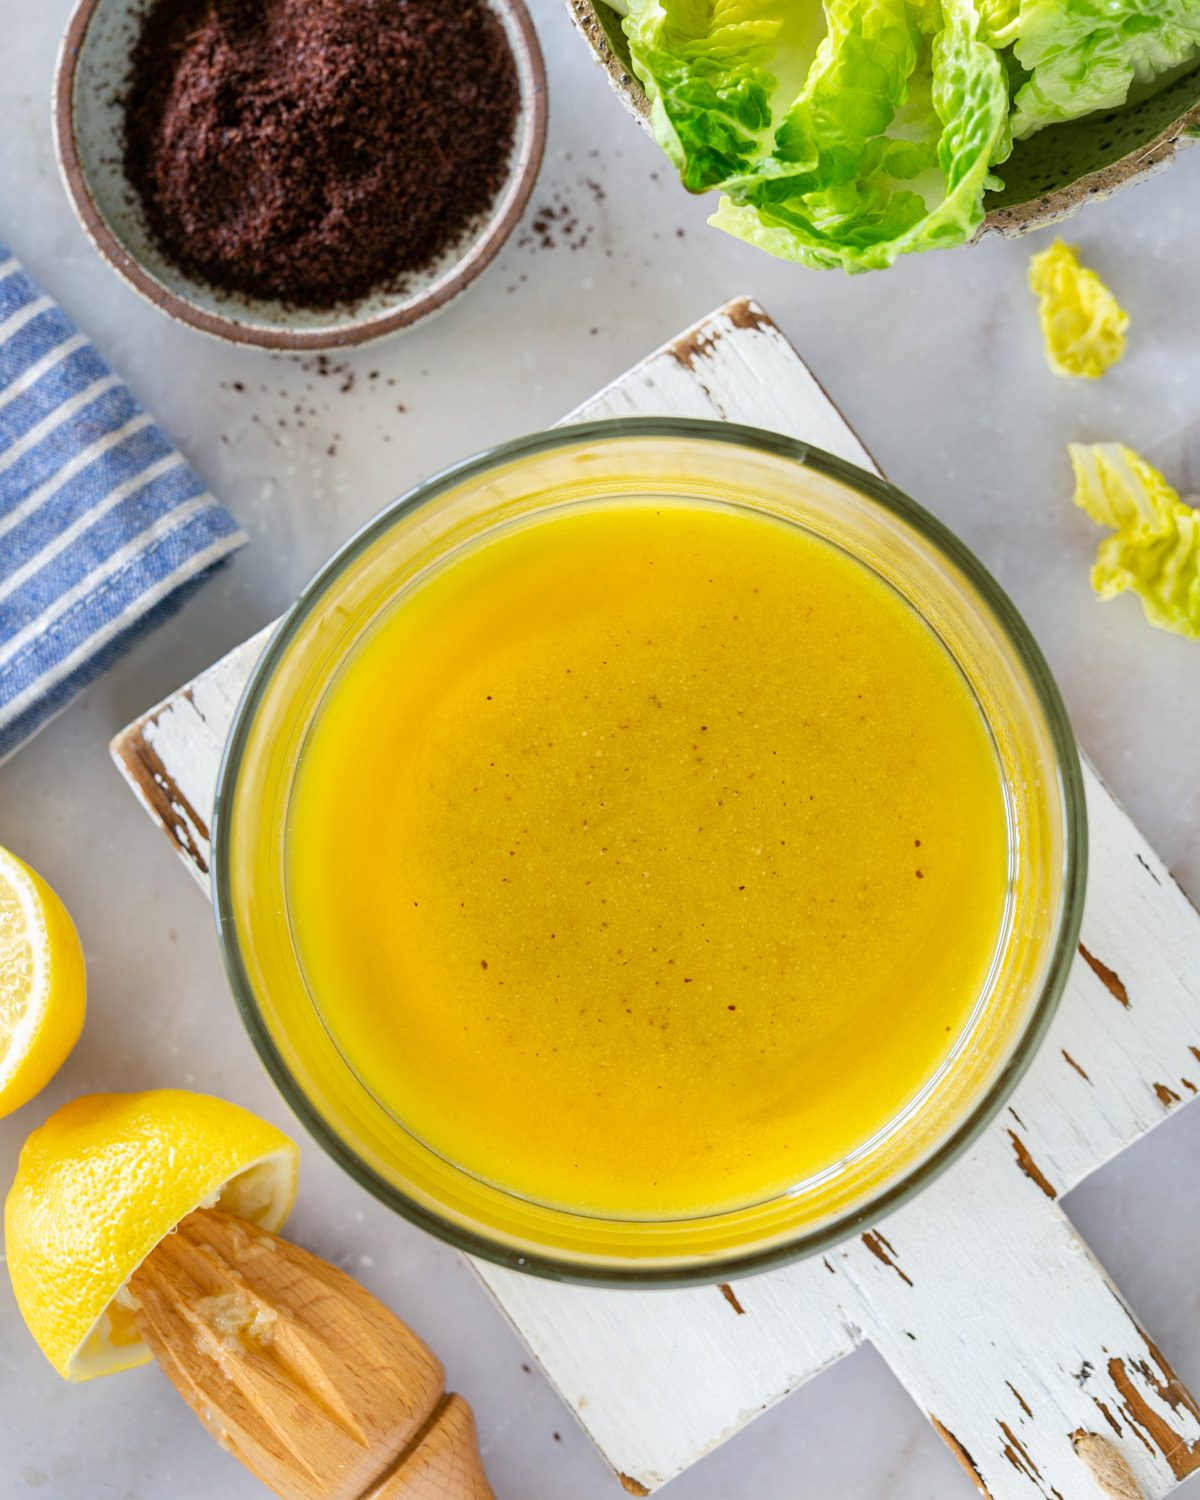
(299, 1372)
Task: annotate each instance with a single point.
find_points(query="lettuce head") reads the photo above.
(850, 132)
(841, 135)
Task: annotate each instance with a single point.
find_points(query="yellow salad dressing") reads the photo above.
(647, 859)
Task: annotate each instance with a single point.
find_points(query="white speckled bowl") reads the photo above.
(93, 65)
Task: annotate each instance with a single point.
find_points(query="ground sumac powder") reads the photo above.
(314, 150)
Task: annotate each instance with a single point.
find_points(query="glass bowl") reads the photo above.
(721, 463)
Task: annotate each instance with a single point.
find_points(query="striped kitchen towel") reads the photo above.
(103, 527)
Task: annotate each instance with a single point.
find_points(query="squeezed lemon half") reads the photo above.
(42, 984)
(101, 1183)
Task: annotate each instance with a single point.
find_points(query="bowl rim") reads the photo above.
(531, 67)
(1061, 951)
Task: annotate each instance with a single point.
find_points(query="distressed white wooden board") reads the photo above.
(979, 1294)
(171, 756)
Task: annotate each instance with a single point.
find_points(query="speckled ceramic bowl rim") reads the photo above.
(480, 254)
(1061, 947)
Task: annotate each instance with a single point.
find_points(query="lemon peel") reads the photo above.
(1083, 324)
(1155, 547)
(101, 1183)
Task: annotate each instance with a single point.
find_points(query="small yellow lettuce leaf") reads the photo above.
(1155, 546)
(1083, 324)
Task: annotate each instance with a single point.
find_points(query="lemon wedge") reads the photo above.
(101, 1183)
(42, 984)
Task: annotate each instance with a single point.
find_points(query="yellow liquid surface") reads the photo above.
(647, 860)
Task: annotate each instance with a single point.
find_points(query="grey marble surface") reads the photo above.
(939, 366)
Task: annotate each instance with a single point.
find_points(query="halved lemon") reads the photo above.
(101, 1183)
(42, 983)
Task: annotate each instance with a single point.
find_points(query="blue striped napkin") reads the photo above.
(103, 527)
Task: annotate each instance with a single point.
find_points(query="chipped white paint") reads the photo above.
(979, 1294)
(170, 756)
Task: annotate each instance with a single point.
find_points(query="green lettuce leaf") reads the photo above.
(718, 74)
(904, 113)
(1155, 547)
(998, 21)
(1083, 324)
(1085, 55)
(844, 134)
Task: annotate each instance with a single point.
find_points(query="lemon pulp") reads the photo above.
(646, 860)
(18, 964)
(43, 986)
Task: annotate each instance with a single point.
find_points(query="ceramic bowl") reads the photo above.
(1047, 178)
(93, 65)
